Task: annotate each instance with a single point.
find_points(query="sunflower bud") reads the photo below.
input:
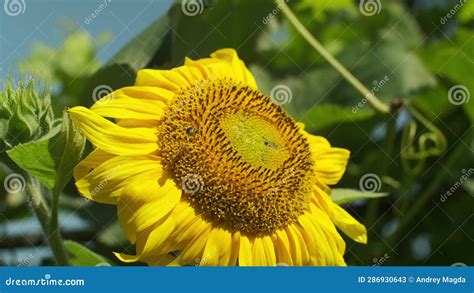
(25, 114)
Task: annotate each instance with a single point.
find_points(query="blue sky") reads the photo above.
(39, 21)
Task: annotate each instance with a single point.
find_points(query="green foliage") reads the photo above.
(330, 115)
(82, 256)
(25, 114)
(346, 195)
(66, 68)
(320, 9)
(52, 157)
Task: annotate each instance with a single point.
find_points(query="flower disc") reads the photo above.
(240, 159)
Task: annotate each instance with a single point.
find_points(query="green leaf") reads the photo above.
(140, 51)
(467, 12)
(452, 60)
(67, 147)
(323, 7)
(147, 47)
(223, 24)
(346, 195)
(112, 235)
(82, 256)
(328, 115)
(434, 103)
(52, 158)
(389, 70)
(35, 158)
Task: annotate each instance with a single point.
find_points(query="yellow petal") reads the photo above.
(218, 248)
(234, 255)
(240, 71)
(192, 254)
(145, 201)
(330, 162)
(122, 106)
(330, 243)
(173, 80)
(126, 258)
(105, 183)
(350, 226)
(245, 252)
(323, 221)
(94, 159)
(299, 251)
(317, 244)
(163, 237)
(112, 138)
(282, 249)
(342, 219)
(263, 252)
(269, 250)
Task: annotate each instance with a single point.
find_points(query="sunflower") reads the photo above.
(206, 170)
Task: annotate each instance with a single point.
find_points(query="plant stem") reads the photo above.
(48, 221)
(55, 232)
(37, 202)
(373, 100)
(426, 195)
(388, 147)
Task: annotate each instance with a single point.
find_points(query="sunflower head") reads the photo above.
(202, 162)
